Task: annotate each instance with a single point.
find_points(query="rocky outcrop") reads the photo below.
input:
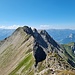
(73, 48)
(39, 53)
(48, 38)
(39, 39)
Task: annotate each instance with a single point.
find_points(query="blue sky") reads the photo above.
(58, 14)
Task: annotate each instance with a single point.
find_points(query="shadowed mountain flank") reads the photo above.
(39, 53)
(39, 38)
(48, 38)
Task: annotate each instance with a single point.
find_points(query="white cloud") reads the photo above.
(46, 26)
(39, 27)
(57, 26)
(10, 27)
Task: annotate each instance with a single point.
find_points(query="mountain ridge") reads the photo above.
(68, 39)
(20, 54)
(60, 34)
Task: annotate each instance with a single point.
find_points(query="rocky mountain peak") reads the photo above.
(43, 32)
(35, 33)
(27, 50)
(48, 38)
(26, 29)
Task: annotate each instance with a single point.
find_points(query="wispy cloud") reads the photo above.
(46, 26)
(57, 26)
(10, 27)
(38, 27)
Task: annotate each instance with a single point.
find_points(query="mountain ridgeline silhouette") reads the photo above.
(33, 52)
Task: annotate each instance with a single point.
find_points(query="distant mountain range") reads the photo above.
(62, 35)
(68, 39)
(5, 33)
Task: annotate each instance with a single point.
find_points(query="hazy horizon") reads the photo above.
(16, 26)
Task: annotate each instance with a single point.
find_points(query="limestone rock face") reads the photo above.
(27, 50)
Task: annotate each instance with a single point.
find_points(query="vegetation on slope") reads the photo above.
(69, 53)
(24, 66)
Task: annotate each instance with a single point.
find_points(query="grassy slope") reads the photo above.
(68, 52)
(13, 56)
(24, 66)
